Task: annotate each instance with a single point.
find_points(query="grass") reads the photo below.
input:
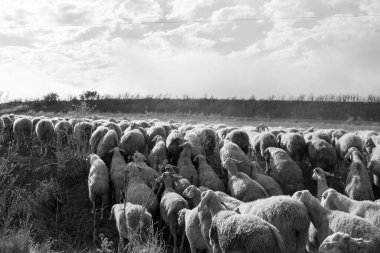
(44, 204)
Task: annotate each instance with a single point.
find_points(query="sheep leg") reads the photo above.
(174, 235)
(93, 207)
(101, 211)
(182, 242)
(121, 244)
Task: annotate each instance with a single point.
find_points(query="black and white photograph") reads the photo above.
(190, 126)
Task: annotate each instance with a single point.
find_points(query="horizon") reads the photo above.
(220, 48)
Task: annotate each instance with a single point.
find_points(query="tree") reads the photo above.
(51, 98)
(89, 95)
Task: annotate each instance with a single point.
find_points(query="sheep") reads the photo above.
(148, 174)
(98, 182)
(207, 176)
(203, 141)
(158, 155)
(107, 143)
(133, 223)
(82, 135)
(358, 182)
(343, 243)
(173, 145)
(284, 170)
(180, 183)
(44, 132)
(2, 126)
(223, 132)
(96, 136)
(189, 219)
(138, 192)
(294, 144)
(321, 154)
(260, 142)
(115, 127)
(63, 130)
(320, 176)
(365, 209)
(7, 133)
(185, 166)
(152, 132)
(268, 183)
(132, 141)
(240, 186)
(232, 232)
(22, 130)
(288, 215)
(344, 143)
(374, 165)
(240, 138)
(262, 128)
(327, 222)
(171, 203)
(320, 134)
(124, 124)
(231, 150)
(117, 172)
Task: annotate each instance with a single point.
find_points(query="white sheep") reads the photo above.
(138, 192)
(171, 203)
(82, 135)
(44, 132)
(148, 174)
(320, 176)
(283, 169)
(231, 150)
(327, 222)
(268, 183)
(63, 131)
(241, 186)
(207, 176)
(133, 223)
(233, 232)
(288, 215)
(343, 243)
(98, 182)
(22, 130)
(358, 181)
(173, 145)
(118, 172)
(366, 209)
(185, 165)
(158, 155)
(132, 141)
(189, 219)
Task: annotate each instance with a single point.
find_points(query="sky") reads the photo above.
(220, 48)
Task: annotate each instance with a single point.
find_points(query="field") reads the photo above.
(44, 202)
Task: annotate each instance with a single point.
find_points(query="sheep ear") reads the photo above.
(328, 174)
(196, 158)
(279, 136)
(122, 151)
(348, 156)
(155, 138)
(266, 155)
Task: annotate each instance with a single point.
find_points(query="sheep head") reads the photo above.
(158, 138)
(340, 242)
(190, 191)
(200, 159)
(326, 200)
(320, 174)
(351, 153)
(305, 197)
(210, 200)
(230, 164)
(138, 157)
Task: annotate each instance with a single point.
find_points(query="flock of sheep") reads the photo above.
(225, 189)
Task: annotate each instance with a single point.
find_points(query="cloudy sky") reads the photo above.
(271, 47)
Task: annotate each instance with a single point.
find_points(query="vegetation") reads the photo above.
(327, 107)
